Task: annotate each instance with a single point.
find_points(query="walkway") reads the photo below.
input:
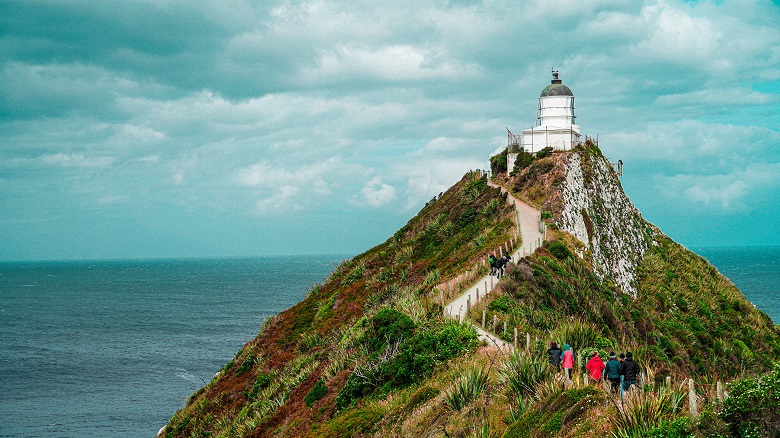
(528, 219)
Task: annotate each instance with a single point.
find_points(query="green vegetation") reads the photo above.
(317, 392)
(753, 408)
(467, 389)
(368, 352)
(401, 354)
(498, 162)
(682, 302)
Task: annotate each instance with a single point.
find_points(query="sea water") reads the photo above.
(113, 348)
(754, 270)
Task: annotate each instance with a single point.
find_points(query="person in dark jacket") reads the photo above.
(629, 370)
(612, 372)
(555, 355)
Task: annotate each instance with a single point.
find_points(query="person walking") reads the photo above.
(612, 372)
(595, 367)
(555, 353)
(568, 360)
(629, 370)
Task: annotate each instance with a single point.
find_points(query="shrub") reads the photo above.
(415, 358)
(467, 217)
(388, 326)
(498, 162)
(261, 382)
(544, 153)
(523, 160)
(501, 304)
(752, 407)
(317, 392)
(678, 428)
(559, 250)
(467, 389)
(248, 363)
(427, 349)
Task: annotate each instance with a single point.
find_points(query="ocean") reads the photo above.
(755, 270)
(113, 348)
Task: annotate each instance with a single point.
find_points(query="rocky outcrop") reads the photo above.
(596, 211)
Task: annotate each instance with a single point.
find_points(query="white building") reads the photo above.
(555, 120)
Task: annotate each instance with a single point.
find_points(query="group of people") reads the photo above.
(497, 264)
(621, 372)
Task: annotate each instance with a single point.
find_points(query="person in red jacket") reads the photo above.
(568, 361)
(595, 367)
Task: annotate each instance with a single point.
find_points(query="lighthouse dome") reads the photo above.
(556, 87)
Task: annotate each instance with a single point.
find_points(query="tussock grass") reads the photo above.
(641, 411)
(523, 373)
(466, 389)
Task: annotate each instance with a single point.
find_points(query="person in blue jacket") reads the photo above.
(612, 372)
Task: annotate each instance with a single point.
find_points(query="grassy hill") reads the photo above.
(368, 352)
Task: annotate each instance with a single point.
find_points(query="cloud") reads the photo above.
(257, 109)
(76, 160)
(376, 193)
(724, 195)
(741, 190)
(696, 146)
(389, 63)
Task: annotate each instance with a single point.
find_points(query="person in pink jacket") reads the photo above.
(595, 367)
(568, 360)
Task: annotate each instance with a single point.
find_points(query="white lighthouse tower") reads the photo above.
(555, 120)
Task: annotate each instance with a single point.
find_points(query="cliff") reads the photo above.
(369, 352)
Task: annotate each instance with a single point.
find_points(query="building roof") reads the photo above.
(556, 88)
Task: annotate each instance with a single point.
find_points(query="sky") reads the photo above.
(173, 128)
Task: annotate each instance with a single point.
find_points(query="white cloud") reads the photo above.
(391, 63)
(284, 199)
(741, 190)
(678, 35)
(76, 160)
(725, 195)
(376, 193)
(704, 99)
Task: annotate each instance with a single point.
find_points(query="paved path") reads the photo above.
(531, 239)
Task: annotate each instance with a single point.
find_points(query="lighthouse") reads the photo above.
(555, 120)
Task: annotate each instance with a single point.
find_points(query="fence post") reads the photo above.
(515, 337)
(692, 399)
(491, 282)
(477, 296)
(504, 332)
(468, 305)
(483, 318)
(527, 342)
(487, 291)
(495, 322)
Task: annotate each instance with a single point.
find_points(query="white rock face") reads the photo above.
(600, 215)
